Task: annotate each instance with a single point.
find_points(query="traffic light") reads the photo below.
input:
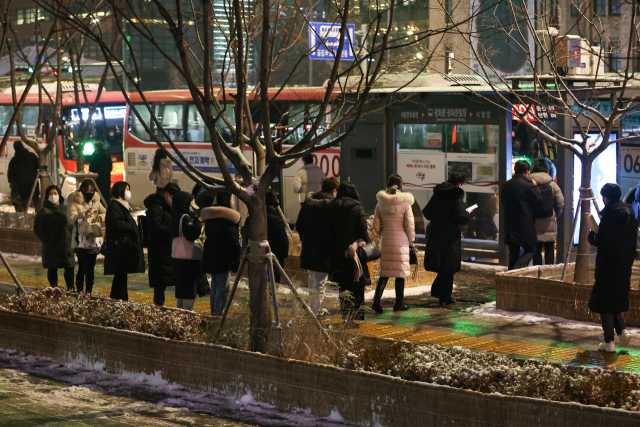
(88, 148)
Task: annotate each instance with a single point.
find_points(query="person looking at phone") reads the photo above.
(446, 212)
(520, 198)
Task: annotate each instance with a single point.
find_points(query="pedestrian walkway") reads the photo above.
(628, 360)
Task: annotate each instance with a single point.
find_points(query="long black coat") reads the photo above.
(616, 242)
(187, 272)
(446, 211)
(22, 172)
(102, 165)
(347, 223)
(159, 215)
(519, 197)
(119, 225)
(54, 231)
(277, 234)
(222, 247)
(313, 229)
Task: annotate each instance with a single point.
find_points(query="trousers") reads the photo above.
(86, 265)
(219, 291)
(442, 287)
(351, 299)
(119, 287)
(515, 260)
(611, 322)
(549, 255)
(52, 276)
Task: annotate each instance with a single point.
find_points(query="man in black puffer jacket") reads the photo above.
(159, 214)
(314, 232)
(276, 232)
(616, 242)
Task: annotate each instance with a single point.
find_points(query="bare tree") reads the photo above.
(547, 55)
(264, 50)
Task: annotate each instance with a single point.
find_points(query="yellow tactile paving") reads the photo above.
(380, 331)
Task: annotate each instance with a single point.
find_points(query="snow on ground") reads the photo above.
(483, 267)
(490, 310)
(93, 385)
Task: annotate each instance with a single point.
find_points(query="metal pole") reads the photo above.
(573, 231)
(304, 304)
(13, 276)
(232, 292)
(272, 283)
(286, 223)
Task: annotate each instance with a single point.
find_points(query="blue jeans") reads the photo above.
(219, 292)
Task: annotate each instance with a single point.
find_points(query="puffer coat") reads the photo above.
(120, 226)
(78, 208)
(547, 228)
(54, 231)
(222, 248)
(162, 177)
(616, 242)
(393, 221)
(159, 216)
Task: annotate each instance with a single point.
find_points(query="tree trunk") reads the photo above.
(260, 311)
(582, 259)
(261, 163)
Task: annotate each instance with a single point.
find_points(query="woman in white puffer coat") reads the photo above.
(394, 222)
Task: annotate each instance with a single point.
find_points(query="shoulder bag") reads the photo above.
(369, 252)
(182, 248)
(89, 227)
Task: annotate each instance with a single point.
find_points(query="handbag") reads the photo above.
(181, 248)
(89, 229)
(369, 252)
(413, 255)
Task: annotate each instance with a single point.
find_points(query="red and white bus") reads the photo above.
(107, 126)
(180, 118)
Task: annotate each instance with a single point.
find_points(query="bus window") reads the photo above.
(135, 127)
(29, 119)
(196, 129)
(170, 117)
(6, 111)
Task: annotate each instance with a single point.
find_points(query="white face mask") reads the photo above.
(54, 199)
(127, 195)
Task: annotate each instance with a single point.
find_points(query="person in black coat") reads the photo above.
(313, 229)
(347, 223)
(616, 242)
(21, 174)
(520, 198)
(159, 214)
(102, 165)
(122, 249)
(221, 249)
(54, 231)
(186, 272)
(276, 232)
(446, 212)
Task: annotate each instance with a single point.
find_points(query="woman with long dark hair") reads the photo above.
(347, 224)
(393, 221)
(161, 170)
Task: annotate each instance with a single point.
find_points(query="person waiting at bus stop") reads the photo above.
(102, 165)
(21, 174)
(54, 231)
(161, 170)
(520, 198)
(616, 242)
(308, 179)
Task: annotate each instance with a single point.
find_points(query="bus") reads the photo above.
(179, 117)
(107, 126)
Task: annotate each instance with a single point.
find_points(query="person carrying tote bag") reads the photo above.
(185, 252)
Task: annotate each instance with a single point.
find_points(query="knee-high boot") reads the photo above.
(382, 283)
(400, 305)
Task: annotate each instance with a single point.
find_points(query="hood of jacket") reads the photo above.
(446, 190)
(215, 212)
(318, 199)
(541, 177)
(181, 201)
(387, 199)
(344, 203)
(620, 212)
(60, 206)
(77, 197)
(156, 200)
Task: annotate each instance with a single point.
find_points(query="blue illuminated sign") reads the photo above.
(324, 38)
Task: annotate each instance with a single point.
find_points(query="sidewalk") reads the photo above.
(473, 322)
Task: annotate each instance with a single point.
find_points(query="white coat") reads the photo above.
(394, 222)
(163, 176)
(308, 179)
(78, 208)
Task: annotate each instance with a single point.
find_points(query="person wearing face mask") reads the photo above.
(159, 214)
(122, 249)
(84, 205)
(186, 272)
(54, 231)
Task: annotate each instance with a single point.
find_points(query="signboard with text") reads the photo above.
(324, 38)
(452, 114)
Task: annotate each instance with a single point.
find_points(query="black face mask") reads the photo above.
(88, 197)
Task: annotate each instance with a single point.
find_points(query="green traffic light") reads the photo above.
(88, 148)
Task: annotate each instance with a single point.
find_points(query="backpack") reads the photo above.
(545, 210)
(143, 226)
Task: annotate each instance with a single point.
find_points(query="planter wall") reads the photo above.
(19, 241)
(539, 289)
(361, 398)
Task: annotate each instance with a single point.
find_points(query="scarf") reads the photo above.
(352, 252)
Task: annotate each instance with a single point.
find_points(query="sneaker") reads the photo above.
(625, 337)
(609, 347)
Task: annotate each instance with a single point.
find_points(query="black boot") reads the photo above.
(382, 283)
(400, 305)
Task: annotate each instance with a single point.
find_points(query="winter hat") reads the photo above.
(611, 192)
